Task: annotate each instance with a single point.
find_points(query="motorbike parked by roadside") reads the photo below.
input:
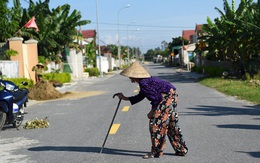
(13, 101)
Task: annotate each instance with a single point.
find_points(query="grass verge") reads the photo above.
(244, 90)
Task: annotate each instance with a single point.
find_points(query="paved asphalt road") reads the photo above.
(217, 128)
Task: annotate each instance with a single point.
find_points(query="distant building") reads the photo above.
(89, 34)
(189, 35)
(185, 54)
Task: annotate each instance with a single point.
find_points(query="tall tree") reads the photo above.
(177, 41)
(150, 54)
(164, 45)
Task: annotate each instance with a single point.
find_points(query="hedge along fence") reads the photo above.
(213, 68)
(92, 71)
(61, 77)
(209, 71)
(18, 82)
(214, 71)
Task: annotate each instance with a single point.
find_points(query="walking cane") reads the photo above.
(110, 124)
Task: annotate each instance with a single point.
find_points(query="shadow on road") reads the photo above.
(174, 74)
(91, 150)
(225, 111)
(252, 154)
(177, 78)
(206, 110)
(240, 126)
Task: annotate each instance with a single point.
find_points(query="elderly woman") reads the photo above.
(163, 117)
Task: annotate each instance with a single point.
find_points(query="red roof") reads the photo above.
(187, 33)
(198, 27)
(88, 33)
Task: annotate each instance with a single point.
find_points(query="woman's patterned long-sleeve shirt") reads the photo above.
(152, 88)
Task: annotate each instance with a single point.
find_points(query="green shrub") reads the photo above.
(210, 71)
(61, 77)
(18, 82)
(10, 52)
(41, 59)
(125, 66)
(246, 76)
(92, 71)
(257, 76)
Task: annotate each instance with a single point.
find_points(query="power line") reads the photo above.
(150, 26)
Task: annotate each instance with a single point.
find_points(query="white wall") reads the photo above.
(10, 69)
(104, 63)
(75, 60)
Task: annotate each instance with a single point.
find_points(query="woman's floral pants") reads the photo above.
(165, 122)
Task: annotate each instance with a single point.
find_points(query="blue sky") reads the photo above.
(146, 23)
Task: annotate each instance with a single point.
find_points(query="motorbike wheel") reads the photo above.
(2, 119)
(19, 119)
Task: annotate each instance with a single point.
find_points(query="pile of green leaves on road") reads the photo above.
(242, 89)
(36, 123)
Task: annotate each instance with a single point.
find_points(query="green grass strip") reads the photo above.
(244, 90)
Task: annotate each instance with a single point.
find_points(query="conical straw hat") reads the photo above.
(135, 70)
(40, 64)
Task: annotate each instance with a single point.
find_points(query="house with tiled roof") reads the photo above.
(106, 51)
(187, 50)
(188, 35)
(88, 35)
